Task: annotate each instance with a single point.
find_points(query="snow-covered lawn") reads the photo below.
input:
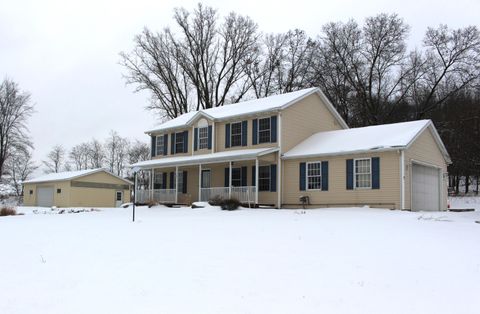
(182, 260)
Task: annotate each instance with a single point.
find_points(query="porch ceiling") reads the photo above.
(233, 155)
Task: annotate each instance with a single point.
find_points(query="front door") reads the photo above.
(118, 198)
(206, 176)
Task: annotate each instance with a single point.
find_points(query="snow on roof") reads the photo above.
(371, 138)
(232, 155)
(68, 175)
(266, 104)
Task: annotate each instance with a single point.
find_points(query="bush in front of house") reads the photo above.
(217, 200)
(8, 211)
(230, 204)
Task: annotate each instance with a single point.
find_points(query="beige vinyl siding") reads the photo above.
(304, 118)
(425, 149)
(388, 196)
(95, 197)
(61, 199)
(169, 149)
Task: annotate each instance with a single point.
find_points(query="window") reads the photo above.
(180, 182)
(59, 191)
(264, 130)
(264, 178)
(203, 137)
(206, 178)
(31, 192)
(119, 196)
(314, 176)
(236, 176)
(179, 143)
(236, 137)
(159, 145)
(363, 174)
(158, 180)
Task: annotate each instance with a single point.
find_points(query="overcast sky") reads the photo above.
(65, 53)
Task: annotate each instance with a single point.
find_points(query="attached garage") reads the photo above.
(84, 188)
(425, 187)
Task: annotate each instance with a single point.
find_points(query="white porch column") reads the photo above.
(230, 180)
(176, 184)
(200, 182)
(256, 181)
(151, 183)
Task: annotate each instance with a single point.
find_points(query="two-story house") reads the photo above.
(274, 150)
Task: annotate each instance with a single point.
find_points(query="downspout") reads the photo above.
(402, 179)
(279, 163)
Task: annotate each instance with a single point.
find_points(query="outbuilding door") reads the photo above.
(425, 188)
(45, 196)
(118, 198)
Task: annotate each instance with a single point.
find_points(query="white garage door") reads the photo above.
(45, 196)
(425, 188)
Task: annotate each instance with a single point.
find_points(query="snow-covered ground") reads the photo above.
(183, 260)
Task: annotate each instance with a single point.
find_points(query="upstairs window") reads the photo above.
(159, 145)
(179, 143)
(264, 130)
(363, 173)
(203, 137)
(236, 137)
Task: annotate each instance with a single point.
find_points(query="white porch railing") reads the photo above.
(160, 195)
(245, 194)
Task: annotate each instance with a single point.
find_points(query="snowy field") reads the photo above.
(183, 260)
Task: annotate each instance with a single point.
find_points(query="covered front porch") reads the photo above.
(226, 175)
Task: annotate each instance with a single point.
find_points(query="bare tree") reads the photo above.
(15, 109)
(79, 156)
(55, 159)
(202, 67)
(116, 151)
(20, 168)
(96, 154)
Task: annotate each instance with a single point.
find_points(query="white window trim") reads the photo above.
(183, 142)
(355, 174)
(156, 145)
(306, 175)
(201, 179)
(270, 130)
(198, 137)
(269, 178)
(241, 133)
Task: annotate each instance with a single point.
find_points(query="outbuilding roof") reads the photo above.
(251, 107)
(70, 175)
(366, 139)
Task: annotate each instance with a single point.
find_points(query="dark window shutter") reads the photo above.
(172, 180)
(165, 144)
(244, 133)
(375, 173)
(154, 145)
(255, 132)
(273, 129)
(303, 178)
(195, 139)
(324, 175)
(227, 135)
(349, 174)
(172, 144)
(185, 180)
(253, 176)
(164, 186)
(227, 177)
(273, 178)
(244, 176)
(209, 137)
(185, 141)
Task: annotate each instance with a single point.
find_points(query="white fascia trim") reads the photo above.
(363, 151)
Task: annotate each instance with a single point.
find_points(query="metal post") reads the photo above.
(176, 184)
(200, 182)
(256, 181)
(230, 180)
(134, 194)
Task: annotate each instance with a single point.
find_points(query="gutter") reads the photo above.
(362, 151)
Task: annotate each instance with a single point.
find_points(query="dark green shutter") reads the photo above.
(209, 137)
(185, 141)
(303, 176)
(324, 175)
(227, 135)
(375, 173)
(154, 144)
(244, 176)
(349, 174)
(172, 144)
(253, 176)
(185, 180)
(172, 180)
(164, 183)
(195, 139)
(244, 133)
(255, 131)
(273, 178)
(165, 144)
(273, 129)
(226, 178)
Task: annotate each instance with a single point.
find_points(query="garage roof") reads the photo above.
(70, 175)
